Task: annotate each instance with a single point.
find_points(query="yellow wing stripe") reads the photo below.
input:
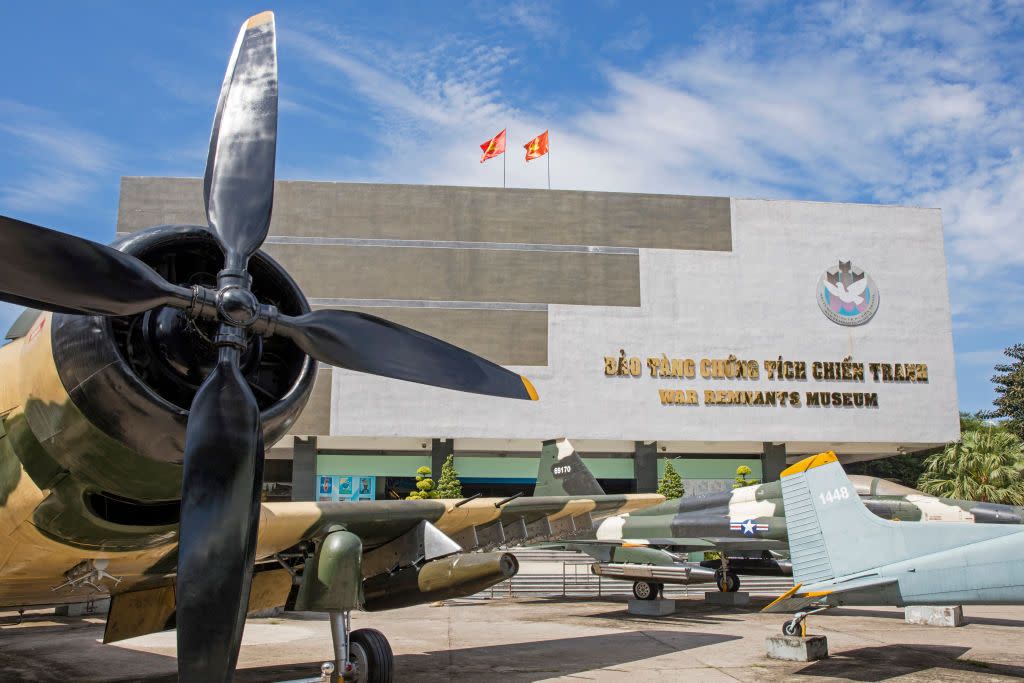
(810, 463)
(529, 388)
(784, 596)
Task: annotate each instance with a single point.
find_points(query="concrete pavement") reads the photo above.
(549, 639)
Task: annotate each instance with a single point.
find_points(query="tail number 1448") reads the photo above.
(834, 495)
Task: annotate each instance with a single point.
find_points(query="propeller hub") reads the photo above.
(237, 306)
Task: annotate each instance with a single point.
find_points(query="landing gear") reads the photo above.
(370, 654)
(794, 627)
(363, 655)
(797, 626)
(728, 581)
(647, 590)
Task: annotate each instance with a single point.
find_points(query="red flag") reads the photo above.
(493, 147)
(537, 147)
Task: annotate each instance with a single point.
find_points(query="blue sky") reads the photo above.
(916, 104)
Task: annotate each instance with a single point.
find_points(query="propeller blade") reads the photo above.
(220, 504)
(239, 183)
(54, 271)
(362, 342)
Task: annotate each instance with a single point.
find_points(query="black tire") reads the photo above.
(645, 590)
(727, 582)
(791, 628)
(370, 653)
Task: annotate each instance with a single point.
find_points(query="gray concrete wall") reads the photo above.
(316, 416)
(758, 302)
(477, 267)
(475, 214)
(395, 272)
(505, 336)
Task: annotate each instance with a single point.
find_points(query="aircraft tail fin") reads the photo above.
(833, 535)
(561, 472)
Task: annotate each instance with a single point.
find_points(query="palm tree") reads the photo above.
(985, 465)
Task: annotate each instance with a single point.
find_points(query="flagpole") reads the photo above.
(549, 163)
(504, 159)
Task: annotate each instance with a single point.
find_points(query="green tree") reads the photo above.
(1010, 387)
(976, 420)
(448, 485)
(424, 485)
(985, 465)
(671, 485)
(741, 477)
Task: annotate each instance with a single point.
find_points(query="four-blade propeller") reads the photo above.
(223, 459)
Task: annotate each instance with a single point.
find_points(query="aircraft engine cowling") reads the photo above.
(132, 379)
(454, 576)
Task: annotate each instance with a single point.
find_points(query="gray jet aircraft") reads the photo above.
(842, 554)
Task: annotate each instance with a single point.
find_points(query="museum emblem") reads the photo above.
(847, 295)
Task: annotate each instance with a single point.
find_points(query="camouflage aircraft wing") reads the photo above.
(474, 524)
(566, 502)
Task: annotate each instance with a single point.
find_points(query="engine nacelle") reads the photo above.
(106, 400)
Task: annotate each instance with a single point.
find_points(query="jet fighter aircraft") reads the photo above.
(138, 394)
(748, 528)
(844, 555)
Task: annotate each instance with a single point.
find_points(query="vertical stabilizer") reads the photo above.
(833, 535)
(561, 472)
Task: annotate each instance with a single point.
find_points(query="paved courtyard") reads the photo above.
(548, 639)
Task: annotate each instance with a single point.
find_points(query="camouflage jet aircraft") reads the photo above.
(748, 527)
(844, 555)
(139, 391)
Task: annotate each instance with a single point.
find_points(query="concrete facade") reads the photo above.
(554, 283)
(756, 303)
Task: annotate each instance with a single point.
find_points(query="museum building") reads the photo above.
(711, 331)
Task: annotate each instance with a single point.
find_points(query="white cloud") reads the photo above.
(536, 18)
(51, 163)
(859, 101)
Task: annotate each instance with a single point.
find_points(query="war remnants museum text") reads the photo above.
(778, 369)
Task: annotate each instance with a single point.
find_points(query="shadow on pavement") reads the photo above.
(75, 654)
(531, 661)
(890, 661)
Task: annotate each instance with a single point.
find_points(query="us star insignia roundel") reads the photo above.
(748, 527)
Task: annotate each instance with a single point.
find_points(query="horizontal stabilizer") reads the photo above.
(869, 590)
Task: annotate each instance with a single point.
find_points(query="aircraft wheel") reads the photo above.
(728, 582)
(645, 590)
(791, 628)
(371, 656)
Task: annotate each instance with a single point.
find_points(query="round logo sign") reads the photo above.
(847, 295)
